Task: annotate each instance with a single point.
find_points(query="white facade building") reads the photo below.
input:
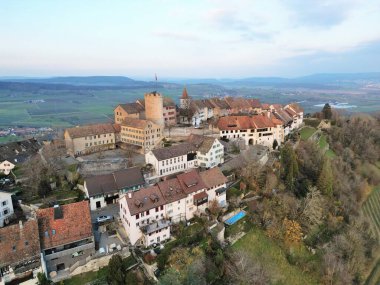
(147, 214)
(198, 151)
(6, 207)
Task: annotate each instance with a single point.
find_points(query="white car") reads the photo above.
(102, 219)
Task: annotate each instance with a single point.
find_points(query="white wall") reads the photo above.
(213, 157)
(6, 167)
(6, 207)
(169, 166)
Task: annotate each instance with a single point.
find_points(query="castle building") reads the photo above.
(154, 108)
(142, 133)
(185, 100)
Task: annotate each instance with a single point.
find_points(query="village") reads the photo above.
(127, 186)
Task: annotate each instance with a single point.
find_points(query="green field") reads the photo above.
(86, 277)
(273, 258)
(307, 132)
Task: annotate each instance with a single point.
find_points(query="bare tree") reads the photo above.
(243, 269)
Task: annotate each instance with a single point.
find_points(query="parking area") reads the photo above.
(106, 233)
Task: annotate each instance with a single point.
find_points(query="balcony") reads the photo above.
(69, 251)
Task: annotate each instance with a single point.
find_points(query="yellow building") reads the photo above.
(141, 133)
(91, 138)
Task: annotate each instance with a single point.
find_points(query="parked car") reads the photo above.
(102, 219)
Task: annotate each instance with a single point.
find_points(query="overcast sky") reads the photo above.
(205, 38)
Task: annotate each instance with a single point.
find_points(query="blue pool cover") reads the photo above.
(235, 218)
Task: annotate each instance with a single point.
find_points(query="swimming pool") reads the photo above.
(235, 218)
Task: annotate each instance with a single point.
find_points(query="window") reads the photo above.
(4, 203)
(46, 234)
(5, 212)
(14, 248)
(26, 243)
(53, 232)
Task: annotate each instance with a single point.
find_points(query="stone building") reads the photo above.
(91, 138)
(154, 108)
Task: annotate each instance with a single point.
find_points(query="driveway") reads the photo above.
(110, 210)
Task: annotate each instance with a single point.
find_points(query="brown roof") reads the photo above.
(191, 181)
(168, 102)
(173, 151)
(265, 106)
(171, 190)
(254, 103)
(132, 108)
(71, 222)
(184, 94)
(213, 177)
(135, 123)
(291, 112)
(275, 120)
(283, 116)
(144, 199)
(111, 183)
(296, 107)
(90, 130)
(200, 196)
(219, 103)
(202, 143)
(19, 243)
(244, 122)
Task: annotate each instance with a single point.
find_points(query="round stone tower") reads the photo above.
(154, 108)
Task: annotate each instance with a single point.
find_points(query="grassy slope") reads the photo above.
(306, 133)
(86, 277)
(259, 246)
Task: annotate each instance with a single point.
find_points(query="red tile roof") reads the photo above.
(74, 225)
(144, 200)
(213, 177)
(184, 94)
(296, 107)
(200, 196)
(19, 243)
(191, 181)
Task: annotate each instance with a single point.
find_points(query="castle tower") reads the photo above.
(154, 108)
(185, 100)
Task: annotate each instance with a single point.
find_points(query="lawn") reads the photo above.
(86, 277)
(307, 132)
(322, 141)
(273, 258)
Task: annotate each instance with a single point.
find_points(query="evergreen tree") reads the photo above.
(325, 180)
(326, 112)
(115, 272)
(289, 166)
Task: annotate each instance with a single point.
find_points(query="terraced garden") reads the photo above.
(371, 209)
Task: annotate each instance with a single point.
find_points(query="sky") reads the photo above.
(188, 39)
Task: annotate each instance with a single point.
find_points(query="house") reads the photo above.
(296, 112)
(210, 151)
(6, 167)
(19, 152)
(66, 237)
(6, 208)
(20, 252)
(256, 129)
(172, 159)
(130, 110)
(148, 213)
(103, 190)
(90, 138)
(141, 133)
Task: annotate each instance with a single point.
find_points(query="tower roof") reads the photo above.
(184, 94)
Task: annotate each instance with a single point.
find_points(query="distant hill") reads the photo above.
(84, 81)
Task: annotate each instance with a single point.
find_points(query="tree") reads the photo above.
(293, 232)
(326, 112)
(171, 277)
(325, 179)
(313, 210)
(42, 280)
(116, 272)
(289, 166)
(244, 269)
(214, 208)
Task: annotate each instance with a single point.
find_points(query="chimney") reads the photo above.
(130, 195)
(20, 225)
(268, 114)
